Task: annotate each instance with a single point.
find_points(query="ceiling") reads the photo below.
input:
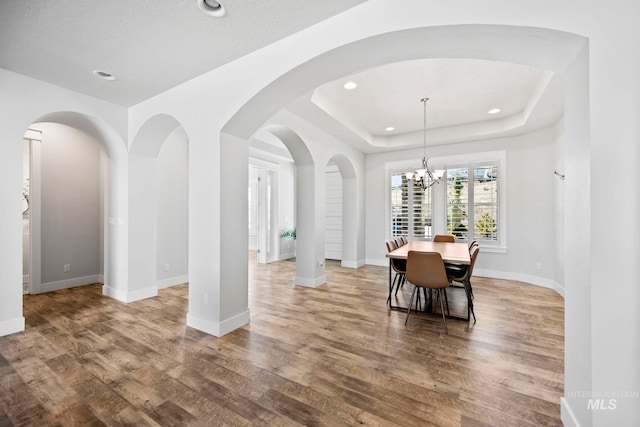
(149, 46)
(460, 93)
(152, 46)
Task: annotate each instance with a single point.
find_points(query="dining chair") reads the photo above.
(399, 266)
(460, 269)
(450, 238)
(426, 270)
(404, 240)
(464, 276)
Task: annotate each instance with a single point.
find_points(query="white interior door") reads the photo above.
(252, 194)
(271, 234)
(263, 212)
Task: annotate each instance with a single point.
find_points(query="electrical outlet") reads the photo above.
(206, 299)
(167, 267)
(539, 265)
(67, 268)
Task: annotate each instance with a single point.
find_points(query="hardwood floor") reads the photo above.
(329, 356)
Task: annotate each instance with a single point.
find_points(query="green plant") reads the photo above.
(486, 226)
(289, 233)
(457, 215)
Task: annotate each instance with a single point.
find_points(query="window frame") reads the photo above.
(439, 201)
(471, 201)
(411, 209)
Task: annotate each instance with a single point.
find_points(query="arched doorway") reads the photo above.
(310, 268)
(148, 190)
(352, 246)
(105, 183)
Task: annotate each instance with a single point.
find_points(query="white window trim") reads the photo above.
(439, 191)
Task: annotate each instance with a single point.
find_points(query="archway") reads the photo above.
(143, 206)
(351, 213)
(114, 176)
(310, 268)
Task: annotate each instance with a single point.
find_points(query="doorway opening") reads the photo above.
(30, 239)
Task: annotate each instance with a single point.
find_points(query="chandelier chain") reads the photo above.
(425, 178)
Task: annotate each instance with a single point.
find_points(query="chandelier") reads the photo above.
(424, 177)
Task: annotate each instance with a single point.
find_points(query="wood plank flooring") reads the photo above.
(329, 356)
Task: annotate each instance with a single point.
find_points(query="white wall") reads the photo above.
(287, 206)
(71, 205)
(559, 198)
(173, 211)
(531, 220)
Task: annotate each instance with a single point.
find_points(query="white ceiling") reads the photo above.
(151, 46)
(461, 92)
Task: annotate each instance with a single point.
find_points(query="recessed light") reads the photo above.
(105, 75)
(350, 85)
(494, 111)
(212, 8)
(389, 128)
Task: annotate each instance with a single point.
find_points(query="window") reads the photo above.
(411, 209)
(468, 203)
(472, 204)
(485, 206)
(458, 203)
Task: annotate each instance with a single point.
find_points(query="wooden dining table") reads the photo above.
(453, 253)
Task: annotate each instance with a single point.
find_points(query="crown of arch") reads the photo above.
(347, 171)
(101, 132)
(296, 146)
(152, 134)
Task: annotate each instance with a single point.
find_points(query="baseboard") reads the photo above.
(495, 274)
(233, 323)
(128, 297)
(379, 262)
(287, 255)
(172, 281)
(352, 264)
(559, 288)
(526, 278)
(69, 283)
(310, 282)
(114, 293)
(142, 294)
(566, 414)
(218, 329)
(12, 326)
